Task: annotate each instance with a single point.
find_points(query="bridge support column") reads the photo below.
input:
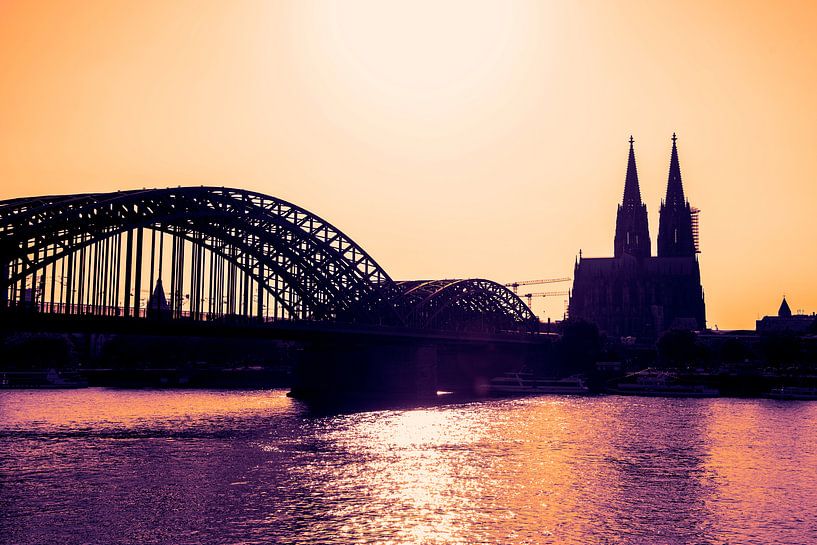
(5, 263)
(388, 371)
(137, 290)
(467, 368)
(128, 271)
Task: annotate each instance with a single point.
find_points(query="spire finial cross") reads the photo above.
(674, 138)
(631, 140)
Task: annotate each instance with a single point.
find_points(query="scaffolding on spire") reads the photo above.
(695, 237)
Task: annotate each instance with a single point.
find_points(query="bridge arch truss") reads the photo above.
(466, 304)
(203, 252)
(214, 253)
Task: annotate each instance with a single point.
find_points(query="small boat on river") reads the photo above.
(41, 379)
(793, 392)
(662, 384)
(525, 383)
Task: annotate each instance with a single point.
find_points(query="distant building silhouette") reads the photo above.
(786, 322)
(632, 293)
(157, 307)
(784, 311)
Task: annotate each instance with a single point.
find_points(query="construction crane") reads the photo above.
(515, 285)
(530, 296)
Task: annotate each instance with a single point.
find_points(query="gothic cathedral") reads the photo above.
(634, 294)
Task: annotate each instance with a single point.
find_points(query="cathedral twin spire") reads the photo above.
(675, 233)
(632, 230)
(675, 189)
(632, 192)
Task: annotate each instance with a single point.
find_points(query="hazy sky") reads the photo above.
(449, 139)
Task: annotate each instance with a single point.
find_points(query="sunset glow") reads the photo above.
(457, 139)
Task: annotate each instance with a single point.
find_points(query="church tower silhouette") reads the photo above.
(632, 229)
(675, 235)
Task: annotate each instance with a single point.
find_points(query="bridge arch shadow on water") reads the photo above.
(219, 254)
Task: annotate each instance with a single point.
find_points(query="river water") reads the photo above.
(215, 467)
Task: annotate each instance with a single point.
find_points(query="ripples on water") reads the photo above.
(173, 467)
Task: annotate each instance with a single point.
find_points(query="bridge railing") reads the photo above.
(122, 312)
(118, 313)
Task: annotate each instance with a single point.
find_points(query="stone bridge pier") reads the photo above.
(401, 370)
(337, 370)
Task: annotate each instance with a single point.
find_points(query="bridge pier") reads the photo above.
(340, 370)
(4, 280)
(467, 368)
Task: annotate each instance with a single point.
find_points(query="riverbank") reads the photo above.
(762, 383)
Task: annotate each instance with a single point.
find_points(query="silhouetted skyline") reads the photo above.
(490, 147)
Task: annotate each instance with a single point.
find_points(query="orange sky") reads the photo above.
(449, 139)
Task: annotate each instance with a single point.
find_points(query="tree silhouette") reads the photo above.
(677, 348)
(579, 346)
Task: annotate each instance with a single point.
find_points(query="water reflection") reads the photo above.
(658, 457)
(766, 480)
(102, 466)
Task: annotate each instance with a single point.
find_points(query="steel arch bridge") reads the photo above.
(463, 304)
(213, 253)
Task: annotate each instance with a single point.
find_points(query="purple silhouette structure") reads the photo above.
(635, 294)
